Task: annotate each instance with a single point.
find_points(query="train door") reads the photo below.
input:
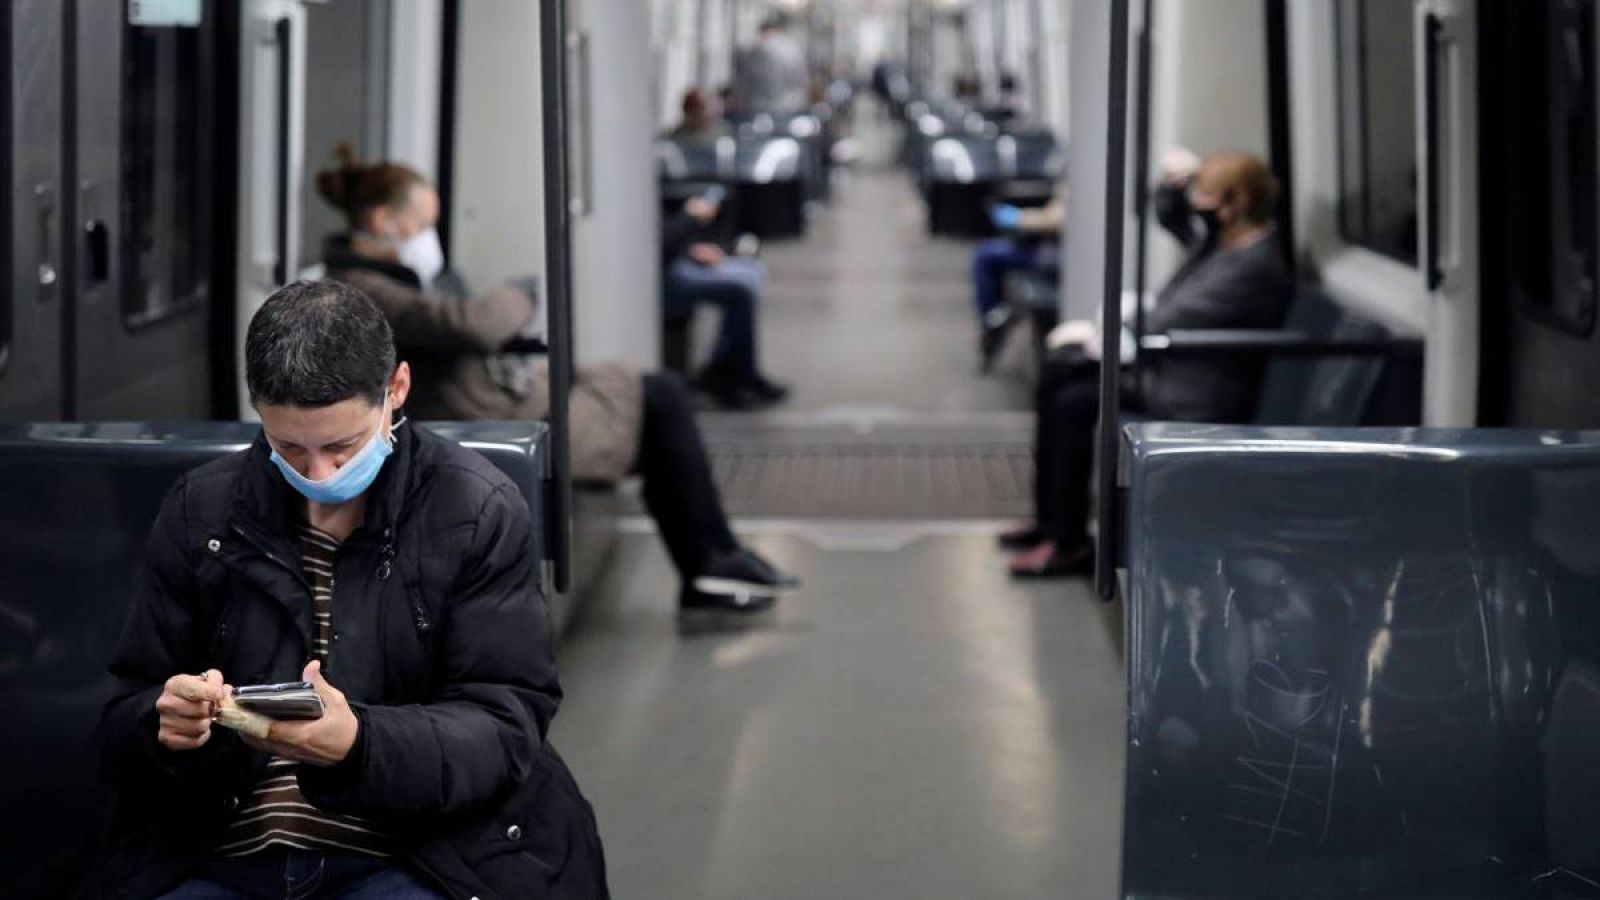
(1447, 157)
(143, 200)
(1385, 159)
(1540, 201)
(112, 134)
(271, 156)
(31, 321)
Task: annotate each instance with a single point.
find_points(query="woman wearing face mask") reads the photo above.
(622, 422)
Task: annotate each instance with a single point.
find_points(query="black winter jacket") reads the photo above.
(441, 643)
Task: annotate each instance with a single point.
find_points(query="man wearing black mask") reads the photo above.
(1234, 277)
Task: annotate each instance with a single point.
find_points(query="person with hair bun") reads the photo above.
(468, 353)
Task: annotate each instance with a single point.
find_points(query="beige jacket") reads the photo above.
(453, 345)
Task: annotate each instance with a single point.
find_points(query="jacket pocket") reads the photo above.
(520, 849)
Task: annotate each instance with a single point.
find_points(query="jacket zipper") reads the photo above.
(266, 551)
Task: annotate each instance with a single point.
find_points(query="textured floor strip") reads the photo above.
(874, 467)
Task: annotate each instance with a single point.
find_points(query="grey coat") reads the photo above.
(453, 343)
(772, 76)
(1247, 287)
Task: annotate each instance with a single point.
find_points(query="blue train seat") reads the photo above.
(78, 503)
(1361, 663)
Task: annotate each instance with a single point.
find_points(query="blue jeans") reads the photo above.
(280, 873)
(733, 286)
(990, 263)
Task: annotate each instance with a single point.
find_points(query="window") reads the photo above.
(1545, 96)
(168, 175)
(1377, 127)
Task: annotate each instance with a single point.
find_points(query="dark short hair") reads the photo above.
(317, 343)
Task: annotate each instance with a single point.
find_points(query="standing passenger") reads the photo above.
(622, 422)
(772, 75)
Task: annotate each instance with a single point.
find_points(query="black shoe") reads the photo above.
(1020, 538)
(742, 573)
(694, 601)
(1075, 562)
(767, 391)
(996, 325)
(725, 392)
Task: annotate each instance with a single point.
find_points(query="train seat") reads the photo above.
(79, 501)
(1361, 662)
(1326, 366)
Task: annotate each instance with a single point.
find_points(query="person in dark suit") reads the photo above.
(1234, 277)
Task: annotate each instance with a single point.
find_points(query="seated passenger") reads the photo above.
(696, 270)
(621, 422)
(1235, 277)
(702, 120)
(432, 656)
(1030, 245)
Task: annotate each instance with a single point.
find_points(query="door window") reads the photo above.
(1545, 156)
(168, 171)
(1377, 127)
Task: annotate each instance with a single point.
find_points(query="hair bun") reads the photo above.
(337, 185)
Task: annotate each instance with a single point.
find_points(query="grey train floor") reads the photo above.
(912, 723)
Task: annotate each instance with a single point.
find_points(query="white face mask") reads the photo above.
(422, 254)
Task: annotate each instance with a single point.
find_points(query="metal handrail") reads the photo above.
(558, 264)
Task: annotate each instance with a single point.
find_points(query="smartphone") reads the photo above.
(714, 194)
(291, 701)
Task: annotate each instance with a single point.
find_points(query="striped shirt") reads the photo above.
(277, 814)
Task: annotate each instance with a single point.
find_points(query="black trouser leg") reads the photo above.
(678, 488)
(1068, 404)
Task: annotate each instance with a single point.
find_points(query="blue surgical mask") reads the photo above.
(353, 478)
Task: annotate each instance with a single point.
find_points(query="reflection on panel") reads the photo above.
(1363, 669)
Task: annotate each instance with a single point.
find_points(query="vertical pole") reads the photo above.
(1038, 90)
(1279, 122)
(558, 264)
(1141, 174)
(1111, 308)
(702, 55)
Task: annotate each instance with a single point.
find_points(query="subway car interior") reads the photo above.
(871, 565)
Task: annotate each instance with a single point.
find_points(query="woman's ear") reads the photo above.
(378, 221)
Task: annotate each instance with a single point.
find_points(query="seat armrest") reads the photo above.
(531, 346)
(1275, 342)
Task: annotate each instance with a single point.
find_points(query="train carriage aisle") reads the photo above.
(912, 723)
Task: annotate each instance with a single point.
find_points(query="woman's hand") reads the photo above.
(320, 742)
(185, 708)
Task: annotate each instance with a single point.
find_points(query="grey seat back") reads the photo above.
(1361, 662)
(1328, 391)
(78, 501)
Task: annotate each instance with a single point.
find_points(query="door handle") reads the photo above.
(44, 201)
(1432, 45)
(97, 238)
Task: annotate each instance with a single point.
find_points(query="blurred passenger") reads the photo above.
(470, 363)
(889, 83)
(1030, 243)
(698, 270)
(968, 88)
(702, 119)
(428, 737)
(771, 73)
(1222, 211)
(1008, 106)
